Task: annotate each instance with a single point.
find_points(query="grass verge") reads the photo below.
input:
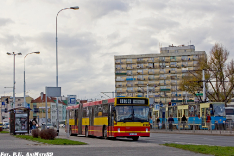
(205, 149)
(4, 132)
(56, 141)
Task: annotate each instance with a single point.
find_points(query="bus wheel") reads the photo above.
(135, 138)
(105, 132)
(86, 132)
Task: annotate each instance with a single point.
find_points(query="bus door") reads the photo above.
(80, 115)
(111, 120)
(204, 107)
(76, 121)
(91, 120)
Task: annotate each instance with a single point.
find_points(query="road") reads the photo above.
(95, 147)
(162, 138)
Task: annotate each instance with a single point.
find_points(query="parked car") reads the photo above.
(6, 125)
(62, 125)
(50, 126)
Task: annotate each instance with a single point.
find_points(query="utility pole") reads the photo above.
(204, 85)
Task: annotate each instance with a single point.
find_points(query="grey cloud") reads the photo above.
(99, 8)
(5, 21)
(158, 23)
(156, 5)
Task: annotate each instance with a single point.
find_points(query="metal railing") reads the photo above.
(215, 127)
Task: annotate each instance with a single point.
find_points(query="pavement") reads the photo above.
(96, 146)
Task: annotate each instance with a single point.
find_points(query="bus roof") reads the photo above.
(112, 100)
(72, 107)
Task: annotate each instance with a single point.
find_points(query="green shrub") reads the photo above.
(35, 133)
(48, 134)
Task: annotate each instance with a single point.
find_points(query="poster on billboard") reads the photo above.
(71, 100)
(21, 123)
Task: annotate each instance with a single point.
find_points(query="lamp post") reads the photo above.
(13, 53)
(24, 74)
(74, 8)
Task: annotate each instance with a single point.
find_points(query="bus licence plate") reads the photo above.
(132, 133)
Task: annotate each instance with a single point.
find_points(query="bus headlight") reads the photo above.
(118, 129)
(146, 129)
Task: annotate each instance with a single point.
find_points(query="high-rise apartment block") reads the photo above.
(160, 73)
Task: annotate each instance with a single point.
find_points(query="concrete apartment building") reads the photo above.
(161, 72)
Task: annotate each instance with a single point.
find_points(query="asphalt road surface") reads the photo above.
(95, 147)
(162, 138)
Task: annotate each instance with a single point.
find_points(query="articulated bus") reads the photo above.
(111, 118)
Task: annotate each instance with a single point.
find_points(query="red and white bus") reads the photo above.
(111, 118)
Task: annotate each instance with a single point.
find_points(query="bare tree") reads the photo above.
(219, 75)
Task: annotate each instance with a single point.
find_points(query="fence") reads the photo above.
(196, 127)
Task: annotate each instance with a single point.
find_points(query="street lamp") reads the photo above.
(24, 74)
(74, 8)
(13, 53)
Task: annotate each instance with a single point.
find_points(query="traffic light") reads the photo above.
(5, 110)
(169, 103)
(7, 100)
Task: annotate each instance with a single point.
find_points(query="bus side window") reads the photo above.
(105, 110)
(100, 111)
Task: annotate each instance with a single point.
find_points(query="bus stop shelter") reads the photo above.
(19, 120)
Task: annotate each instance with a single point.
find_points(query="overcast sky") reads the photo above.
(89, 38)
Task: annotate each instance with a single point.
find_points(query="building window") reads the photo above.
(184, 58)
(162, 58)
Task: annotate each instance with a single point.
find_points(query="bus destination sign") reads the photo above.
(132, 101)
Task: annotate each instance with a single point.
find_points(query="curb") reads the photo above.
(191, 133)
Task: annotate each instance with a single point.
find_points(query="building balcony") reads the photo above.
(151, 73)
(130, 67)
(162, 78)
(161, 60)
(165, 90)
(141, 61)
(149, 67)
(141, 79)
(173, 72)
(167, 59)
(190, 64)
(130, 79)
(120, 85)
(152, 82)
(118, 80)
(120, 73)
(130, 85)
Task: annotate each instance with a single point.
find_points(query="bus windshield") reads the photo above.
(219, 109)
(132, 113)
